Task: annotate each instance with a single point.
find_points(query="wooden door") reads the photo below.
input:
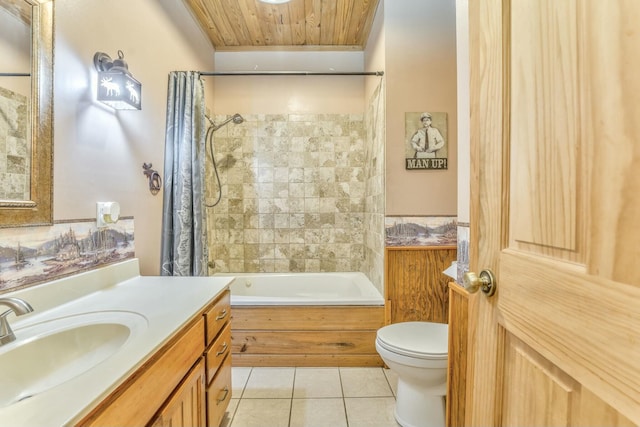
(555, 212)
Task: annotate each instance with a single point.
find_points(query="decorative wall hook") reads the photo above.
(155, 182)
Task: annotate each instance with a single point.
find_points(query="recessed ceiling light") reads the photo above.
(275, 1)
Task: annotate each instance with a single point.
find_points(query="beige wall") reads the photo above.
(288, 94)
(420, 49)
(374, 53)
(99, 152)
(464, 109)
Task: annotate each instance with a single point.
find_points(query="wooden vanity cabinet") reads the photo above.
(219, 394)
(218, 360)
(186, 406)
(136, 401)
(217, 352)
(190, 405)
(186, 383)
(217, 316)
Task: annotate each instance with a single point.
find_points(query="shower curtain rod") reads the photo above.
(15, 74)
(291, 73)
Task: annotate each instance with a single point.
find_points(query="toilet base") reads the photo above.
(417, 408)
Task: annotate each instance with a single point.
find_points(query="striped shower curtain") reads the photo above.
(184, 245)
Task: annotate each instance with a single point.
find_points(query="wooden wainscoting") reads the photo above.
(415, 287)
(459, 310)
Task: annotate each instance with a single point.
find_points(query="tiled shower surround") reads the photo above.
(300, 193)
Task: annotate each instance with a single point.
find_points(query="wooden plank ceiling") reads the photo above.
(241, 25)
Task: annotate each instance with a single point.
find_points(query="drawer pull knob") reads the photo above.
(222, 314)
(224, 349)
(224, 396)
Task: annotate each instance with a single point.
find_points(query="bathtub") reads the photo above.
(304, 319)
(303, 289)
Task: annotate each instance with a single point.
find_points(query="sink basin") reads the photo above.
(52, 352)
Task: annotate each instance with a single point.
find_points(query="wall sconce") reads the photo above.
(116, 86)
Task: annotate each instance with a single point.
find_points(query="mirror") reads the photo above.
(26, 113)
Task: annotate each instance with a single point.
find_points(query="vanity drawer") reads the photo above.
(219, 394)
(217, 316)
(220, 349)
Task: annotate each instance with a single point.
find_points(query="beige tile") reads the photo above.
(371, 412)
(364, 382)
(318, 413)
(231, 410)
(392, 378)
(272, 383)
(262, 413)
(317, 382)
(239, 377)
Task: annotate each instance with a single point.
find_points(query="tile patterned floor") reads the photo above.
(312, 397)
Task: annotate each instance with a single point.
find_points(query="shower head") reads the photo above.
(236, 118)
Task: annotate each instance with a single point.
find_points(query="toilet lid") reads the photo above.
(424, 340)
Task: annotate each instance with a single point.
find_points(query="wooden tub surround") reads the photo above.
(308, 335)
(305, 335)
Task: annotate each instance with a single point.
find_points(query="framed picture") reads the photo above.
(426, 144)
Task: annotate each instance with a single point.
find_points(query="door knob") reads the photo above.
(486, 281)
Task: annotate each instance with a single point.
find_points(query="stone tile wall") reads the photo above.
(14, 146)
(374, 226)
(293, 194)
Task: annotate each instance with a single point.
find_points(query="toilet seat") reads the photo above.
(421, 340)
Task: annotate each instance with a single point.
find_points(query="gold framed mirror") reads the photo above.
(35, 208)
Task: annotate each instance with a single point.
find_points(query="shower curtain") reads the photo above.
(184, 246)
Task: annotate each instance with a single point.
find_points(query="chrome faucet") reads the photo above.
(17, 306)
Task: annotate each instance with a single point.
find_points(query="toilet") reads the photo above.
(417, 353)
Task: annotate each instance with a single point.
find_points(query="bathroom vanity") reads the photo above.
(165, 358)
(185, 383)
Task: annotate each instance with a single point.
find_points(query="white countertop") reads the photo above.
(166, 303)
